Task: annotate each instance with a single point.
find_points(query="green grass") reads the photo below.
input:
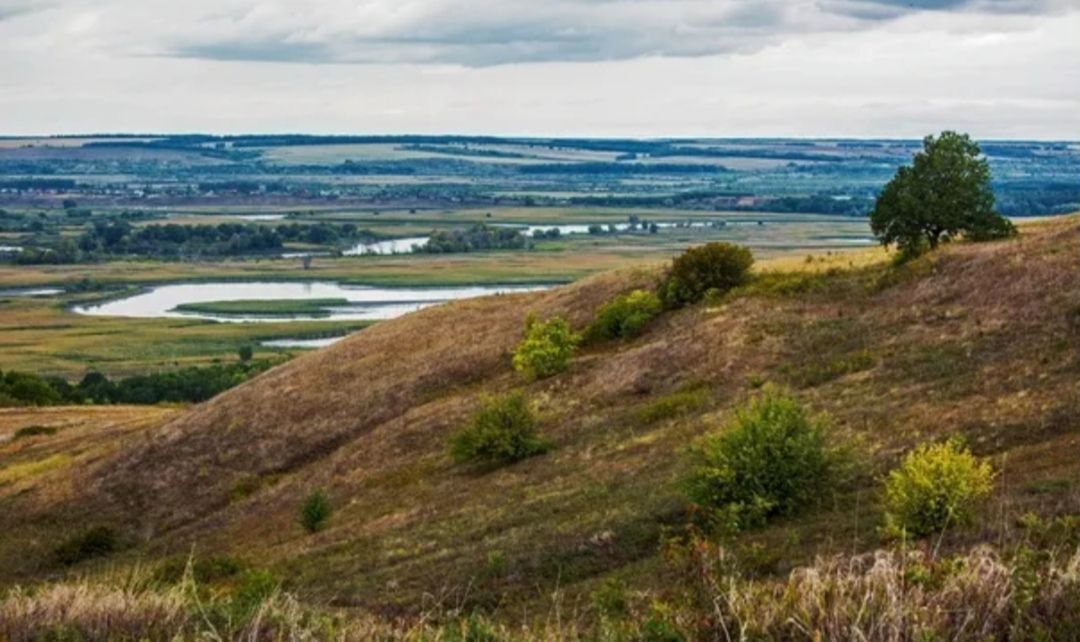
(268, 307)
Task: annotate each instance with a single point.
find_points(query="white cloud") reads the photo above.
(596, 67)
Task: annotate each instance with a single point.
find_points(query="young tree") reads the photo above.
(944, 193)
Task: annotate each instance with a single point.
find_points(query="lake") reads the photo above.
(363, 302)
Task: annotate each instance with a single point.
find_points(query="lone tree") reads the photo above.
(943, 194)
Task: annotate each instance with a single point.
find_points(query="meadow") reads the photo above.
(593, 539)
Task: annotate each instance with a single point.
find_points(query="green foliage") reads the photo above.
(771, 460)
(245, 353)
(25, 389)
(713, 266)
(502, 431)
(476, 238)
(192, 384)
(943, 194)
(93, 542)
(611, 599)
(546, 348)
(255, 587)
(624, 316)
(936, 486)
(315, 511)
(658, 626)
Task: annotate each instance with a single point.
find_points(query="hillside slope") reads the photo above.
(975, 340)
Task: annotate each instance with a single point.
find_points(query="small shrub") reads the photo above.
(245, 353)
(771, 460)
(546, 348)
(98, 541)
(659, 627)
(496, 563)
(936, 486)
(315, 511)
(611, 599)
(713, 266)
(34, 431)
(502, 431)
(624, 316)
(255, 587)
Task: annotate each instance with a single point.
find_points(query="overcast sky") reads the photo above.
(897, 68)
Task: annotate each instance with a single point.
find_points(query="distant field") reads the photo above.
(40, 335)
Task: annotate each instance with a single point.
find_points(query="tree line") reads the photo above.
(191, 385)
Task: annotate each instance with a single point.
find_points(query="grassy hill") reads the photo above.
(975, 340)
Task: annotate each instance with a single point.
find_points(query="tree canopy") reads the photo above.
(943, 194)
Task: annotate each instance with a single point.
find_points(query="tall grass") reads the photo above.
(887, 596)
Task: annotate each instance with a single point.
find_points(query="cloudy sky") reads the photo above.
(995, 68)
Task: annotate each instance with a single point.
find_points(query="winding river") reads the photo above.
(362, 302)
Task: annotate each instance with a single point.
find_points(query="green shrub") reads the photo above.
(34, 431)
(624, 316)
(611, 600)
(98, 541)
(245, 353)
(934, 487)
(315, 511)
(502, 431)
(546, 348)
(771, 460)
(713, 266)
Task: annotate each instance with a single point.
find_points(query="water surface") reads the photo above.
(365, 303)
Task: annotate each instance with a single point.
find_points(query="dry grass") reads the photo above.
(885, 596)
(894, 357)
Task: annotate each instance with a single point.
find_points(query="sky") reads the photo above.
(633, 68)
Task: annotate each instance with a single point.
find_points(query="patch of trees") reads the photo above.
(478, 237)
(191, 384)
(117, 237)
(463, 150)
(38, 183)
(64, 251)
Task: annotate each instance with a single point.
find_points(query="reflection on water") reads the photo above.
(261, 217)
(393, 246)
(365, 303)
(13, 292)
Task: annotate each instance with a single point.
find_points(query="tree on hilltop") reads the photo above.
(943, 194)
